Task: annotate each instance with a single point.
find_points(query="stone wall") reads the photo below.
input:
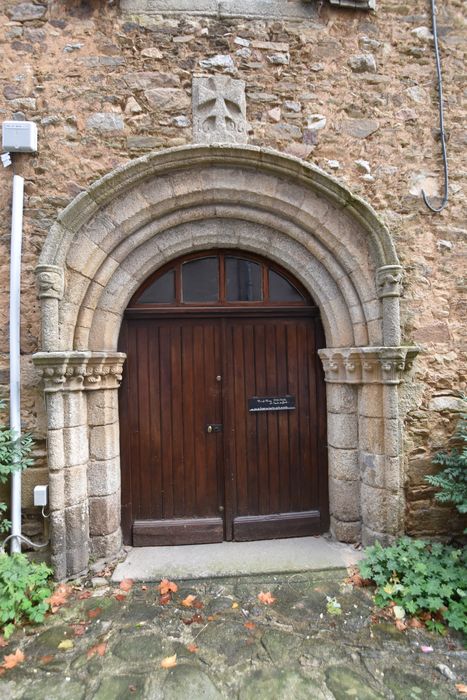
(351, 91)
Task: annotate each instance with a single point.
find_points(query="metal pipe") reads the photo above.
(15, 357)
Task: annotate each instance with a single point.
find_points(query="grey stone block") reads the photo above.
(344, 500)
(381, 509)
(104, 514)
(104, 477)
(346, 531)
(343, 464)
(107, 546)
(342, 430)
(341, 398)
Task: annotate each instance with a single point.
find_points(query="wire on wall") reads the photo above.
(441, 116)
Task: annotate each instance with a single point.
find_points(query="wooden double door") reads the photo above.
(222, 419)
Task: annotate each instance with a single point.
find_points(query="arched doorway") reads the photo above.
(146, 214)
(222, 405)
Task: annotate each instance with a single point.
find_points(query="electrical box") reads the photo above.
(40, 495)
(19, 137)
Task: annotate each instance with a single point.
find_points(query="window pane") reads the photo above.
(243, 280)
(200, 280)
(161, 291)
(280, 289)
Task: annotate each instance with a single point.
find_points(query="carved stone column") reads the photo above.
(389, 286)
(364, 436)
(50, 287)
(67, 376)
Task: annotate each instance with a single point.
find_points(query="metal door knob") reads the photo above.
(209, 428)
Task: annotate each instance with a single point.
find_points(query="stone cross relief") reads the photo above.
(219, 110)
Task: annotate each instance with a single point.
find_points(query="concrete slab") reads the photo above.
(235, 558)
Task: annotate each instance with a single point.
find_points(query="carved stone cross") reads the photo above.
(219, 110)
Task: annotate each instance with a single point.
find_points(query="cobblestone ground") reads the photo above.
(232, 647)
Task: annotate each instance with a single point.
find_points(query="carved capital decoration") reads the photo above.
(50, 283)
(219, 110)
(389, 281)
(368, 365)
(78, 371)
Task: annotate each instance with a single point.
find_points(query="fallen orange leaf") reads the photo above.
(414, 622)
(266, 598)
(165, 598)
(167, 586)
(120, 597)
(59, 597)
(188, 601)
(144, 588)
(95, 612)
(401, 625)
(126, 584)
(84, 595)
(249, 625)
(79, 630)
(47, 659)
(192, 647)
(99, 649)
(462, 688)
(169, 661)
(12, 660)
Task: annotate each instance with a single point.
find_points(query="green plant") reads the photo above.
(426, 580)
(14, 455)
(452, 480)
(23, 591)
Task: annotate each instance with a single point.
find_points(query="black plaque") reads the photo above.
(258, 404)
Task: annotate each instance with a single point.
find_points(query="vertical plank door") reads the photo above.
(274, 459)
(173, 479)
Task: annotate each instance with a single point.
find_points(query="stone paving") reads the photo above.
(232, 647)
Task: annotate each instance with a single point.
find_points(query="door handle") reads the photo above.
(214, 428)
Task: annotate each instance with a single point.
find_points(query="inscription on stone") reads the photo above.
(258, 404)
(219, 110)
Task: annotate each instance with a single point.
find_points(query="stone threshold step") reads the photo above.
(236, 559)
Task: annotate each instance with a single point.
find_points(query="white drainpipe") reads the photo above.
(15, 357)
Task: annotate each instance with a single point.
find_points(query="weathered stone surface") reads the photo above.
(144, 80)
(219, 110)
(25, 11)
(167, 99)
(187, 681)
(281, 684)
(343, 682)
(363, 63)
(360, 128)
(105, 121)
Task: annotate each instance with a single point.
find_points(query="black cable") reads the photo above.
(441, 117)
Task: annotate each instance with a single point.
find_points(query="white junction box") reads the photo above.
(19, 137)
(40, 495)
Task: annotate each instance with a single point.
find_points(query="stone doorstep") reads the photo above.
(235, 559)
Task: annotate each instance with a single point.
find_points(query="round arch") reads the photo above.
(168, 204)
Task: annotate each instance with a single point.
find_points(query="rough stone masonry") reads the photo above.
(350, 90)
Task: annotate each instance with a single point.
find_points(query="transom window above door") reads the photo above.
(221, 278)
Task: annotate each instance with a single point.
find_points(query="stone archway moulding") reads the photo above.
(161, 206)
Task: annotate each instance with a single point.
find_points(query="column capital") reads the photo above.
(389, 281)
(367, 365)
(78, 371)
(50, 281)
